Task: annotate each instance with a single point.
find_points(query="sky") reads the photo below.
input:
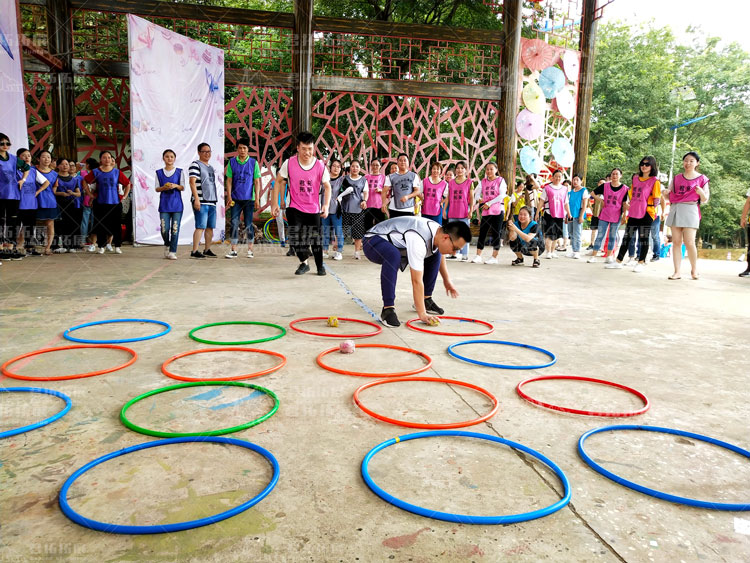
(719, 18)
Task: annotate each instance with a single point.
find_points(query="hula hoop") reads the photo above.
(67, 335)
(46, 421)
(178, 526)
(501, 366)
(368, 374)
(652, 492)
(412, 326)
(191, 334)
(230, 430)
(8, 373)
(464, 518)
(446, 426)
(267, 231)
(335, 335)
(166, 372)
(635, 392)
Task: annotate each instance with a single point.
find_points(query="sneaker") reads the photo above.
(549, 256)
(209, 253)
(609, 260)
(72, 250)
(632, 262)
(231, 254)
(109, 248)
(16, 256)
(592, 260)
(327, 254)
(639, 268)
(91, 248)
(172, 256)
(388, 317)
(322, 271)
(614, 266)
(166, 251)
(59, 251)
(250, 254)
(451, 257)
(745, 274)
(655, 259)
(591, 252)
(576, 256)
(554, 254)
(431, 307)
(465, 258)
(302, 269)
(477, 260)
(337, 256)
(196, 254)
(100, 250)
(356, 255)
(491, 261)
(290, 252)
(118, 250)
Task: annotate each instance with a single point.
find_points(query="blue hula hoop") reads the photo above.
(46, 421)
(652, 492)
(463, 518)
(178, 526)
(67, 335)
(553, 358)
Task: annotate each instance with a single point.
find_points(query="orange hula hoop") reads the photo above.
(7, 373)
(424, 356)
(168, 373)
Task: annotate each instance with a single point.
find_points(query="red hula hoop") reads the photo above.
(166, 372)
(421, 329)
(336, 335)
(8, 373)
(447, 426)
(424, 356)
(635, 392)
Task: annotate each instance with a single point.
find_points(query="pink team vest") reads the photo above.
(612, 208)
(641, 192)
(458, 199)
(556, 200)
(433, 194)
(683, 190)
(374, 197)
(490, 190)
(304, 186)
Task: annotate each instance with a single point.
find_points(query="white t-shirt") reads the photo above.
(416, 251)
(284, 170)
(416, 183)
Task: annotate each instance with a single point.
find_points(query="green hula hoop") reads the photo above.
(244, 426)
(191, 334)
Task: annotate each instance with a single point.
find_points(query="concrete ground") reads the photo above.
(682, 343)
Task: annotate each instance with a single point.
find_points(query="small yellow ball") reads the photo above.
(333, 321)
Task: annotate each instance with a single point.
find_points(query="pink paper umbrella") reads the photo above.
(537, 55)
(565, 104)
(571, 65)
(529, 125)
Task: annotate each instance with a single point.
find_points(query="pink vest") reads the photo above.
(556, 199)
(612, 208)
(490, 190)
(683, 190)
(375, 197)
(458, 199)
(304, 186)
(433, 194)
(641, 190)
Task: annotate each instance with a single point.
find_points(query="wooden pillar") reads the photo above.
(60, 41)
(585, 88)
(506, 120)
(302, 65)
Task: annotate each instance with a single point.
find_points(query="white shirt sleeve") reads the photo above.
(326, 176)
(388, 181)
(478, 191)
(543, 195)
(417, 183)
(445, 192)
(416, 251)
(284, 170)
(41, 179)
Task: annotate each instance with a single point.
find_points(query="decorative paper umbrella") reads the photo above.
(529, 125)
(551, 81)
(571, 65)
(565, 104)
(562, 150)
(536, 54)
(530, 161)
(533, 98)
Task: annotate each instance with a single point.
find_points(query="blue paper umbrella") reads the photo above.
(563, 152)
(530, 161)
(551, 81)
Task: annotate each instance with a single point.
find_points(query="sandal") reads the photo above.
(47, 252)
(517, 262)
(695, 276)
(536, 263)
(674, 277)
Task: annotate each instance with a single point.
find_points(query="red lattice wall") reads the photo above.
(38, 111)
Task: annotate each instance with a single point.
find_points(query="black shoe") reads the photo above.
(451, 257)
(209, 253)
(432, 308)
(16, 256)
(322, 271)
(290, 252)
(655, 259)
(388, 317)
(33, 252)
(196, 254)
(745, 274)
(517, 262)
(302, 269)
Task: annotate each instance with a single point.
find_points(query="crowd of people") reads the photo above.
(80, 206)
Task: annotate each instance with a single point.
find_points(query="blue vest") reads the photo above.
(73, 184)
(575, 199)
(46, 198)
(170, 201)
(243, 176)
(8, 178)
(28, 190)
(106, 186)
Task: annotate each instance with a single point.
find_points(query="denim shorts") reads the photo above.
(206, 217)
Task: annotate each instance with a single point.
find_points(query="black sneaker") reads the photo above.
(16, 256)
(209, 253)
(290, 252)
(432, 308)
(655, 259)
(388, 317)
(302, 269)
(322, 271)
(745, 274)
(196, 254)
(451, 257)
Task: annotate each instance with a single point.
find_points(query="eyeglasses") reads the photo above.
(205, 152)
(645, 164)
(4, 144)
